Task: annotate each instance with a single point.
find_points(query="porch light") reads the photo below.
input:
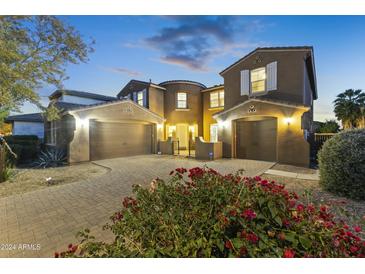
(288, 120)
(191, 129)
(159, 126)
(83, 122)
(223, 124)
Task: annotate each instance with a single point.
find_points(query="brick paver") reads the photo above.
(51, 217)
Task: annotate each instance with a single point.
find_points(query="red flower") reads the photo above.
(257, 178)
(288, 253)
(196, 172)
(354, 249)
(181, 170)
(228, 245)
(323, 208)
(292, 203)
(286, 223)
(233, 213)
(357, 228)
(252, 238)
(56, 255)
(300, 208)
(248, 214)
(69, 246)
(310, 208)
(264, 183)
(243, 251)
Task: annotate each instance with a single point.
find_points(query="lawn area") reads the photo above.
(343, 208)
(25, 180)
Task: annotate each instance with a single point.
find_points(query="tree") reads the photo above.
(349, 107)
(34, 52)
(329, 126)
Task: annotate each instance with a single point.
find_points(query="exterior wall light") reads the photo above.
(288, 120)
(223, 124)
(159, 126)
(83, 122)
(191, 129)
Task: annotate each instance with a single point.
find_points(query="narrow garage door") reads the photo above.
(111, 140)
(256, 139)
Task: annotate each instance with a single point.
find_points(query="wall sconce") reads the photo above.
(288, 120)
(83, 122)
(191, 129)
(159, 126)
(223, 124)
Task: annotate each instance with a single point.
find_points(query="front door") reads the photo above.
(182, 134)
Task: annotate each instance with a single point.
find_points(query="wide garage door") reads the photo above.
(111, 140)
(256, 139)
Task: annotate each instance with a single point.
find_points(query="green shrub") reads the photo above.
(342, 164)
(26, 147)
(202, 213)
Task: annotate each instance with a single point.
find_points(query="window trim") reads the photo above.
(252, 93)
(177, 100)
(219, 92)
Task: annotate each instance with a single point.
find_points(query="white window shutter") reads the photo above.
(245, 82)
(271, 76)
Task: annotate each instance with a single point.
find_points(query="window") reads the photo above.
(181, 100)
(217, 99)
(258, 77)
(140, 98)
(214, 133)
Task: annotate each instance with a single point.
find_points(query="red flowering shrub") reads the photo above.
(201, 213)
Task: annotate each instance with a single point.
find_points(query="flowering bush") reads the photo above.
(342, 164)
(201, 213)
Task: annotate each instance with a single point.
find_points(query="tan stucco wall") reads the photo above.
(156, 100)
(290, 76)
(126, 111)
(206, 150)
(208, 113)
(292, 148)
(194, 113)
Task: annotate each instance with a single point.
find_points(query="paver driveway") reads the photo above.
(51, 217)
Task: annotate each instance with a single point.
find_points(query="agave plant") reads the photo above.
(51, 158)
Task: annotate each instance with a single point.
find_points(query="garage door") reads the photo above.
(111, 140)
(256, 139)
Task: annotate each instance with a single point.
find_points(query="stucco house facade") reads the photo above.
(263, 111)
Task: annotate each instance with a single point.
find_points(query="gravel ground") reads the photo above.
(25, 180)
(352, 212)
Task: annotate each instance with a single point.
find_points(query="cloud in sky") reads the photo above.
(192, 41)
(121, 70)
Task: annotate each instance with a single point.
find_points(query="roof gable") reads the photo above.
(81, 94)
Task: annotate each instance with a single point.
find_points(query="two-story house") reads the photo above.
(264, 111)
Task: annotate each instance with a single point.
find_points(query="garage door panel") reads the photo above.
(257, 139)
(111, 140)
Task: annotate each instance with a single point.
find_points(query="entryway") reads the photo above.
(256, 138)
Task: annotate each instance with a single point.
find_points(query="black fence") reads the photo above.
(316, 141)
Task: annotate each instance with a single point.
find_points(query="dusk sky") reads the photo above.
(199, 47)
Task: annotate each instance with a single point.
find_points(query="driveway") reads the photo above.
(38, 223)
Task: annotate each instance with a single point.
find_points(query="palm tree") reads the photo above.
(349, 107)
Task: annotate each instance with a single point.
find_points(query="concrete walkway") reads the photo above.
(38, 223)
(303, 176)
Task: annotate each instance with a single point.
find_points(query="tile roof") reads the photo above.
(30, 117)
(266, 48)
(83, 94)
(182, 81)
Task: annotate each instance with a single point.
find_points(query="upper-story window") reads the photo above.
(217, 99)
(140, 98)
(182, 100)
(258, 79)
